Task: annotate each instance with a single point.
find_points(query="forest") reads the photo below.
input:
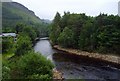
(93, 34)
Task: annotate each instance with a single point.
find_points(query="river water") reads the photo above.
(74, 67)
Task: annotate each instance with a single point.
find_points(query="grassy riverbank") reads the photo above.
(108, 58)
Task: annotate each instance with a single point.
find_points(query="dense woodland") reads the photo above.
(93, 34)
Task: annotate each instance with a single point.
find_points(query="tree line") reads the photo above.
(93, 34)
(26, 63)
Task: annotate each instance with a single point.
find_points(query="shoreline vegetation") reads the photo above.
(100, 36)
(19, 63)
(72, 30)
(108, 58)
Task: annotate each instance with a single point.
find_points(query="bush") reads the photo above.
(30, 66)
(23, 45)
(30, 32)
(5, 69)
(7, 45)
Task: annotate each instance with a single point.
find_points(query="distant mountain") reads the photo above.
(13, 13)
(46, 21)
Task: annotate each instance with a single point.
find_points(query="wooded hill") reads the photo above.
(14, 13)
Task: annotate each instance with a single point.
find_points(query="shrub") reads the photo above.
(32, 65)
(5, 69)
(7, 45)
(23, 45)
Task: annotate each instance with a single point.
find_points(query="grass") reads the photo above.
(0, 66)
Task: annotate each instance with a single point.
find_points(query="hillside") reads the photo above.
(13, 13)
(46, 21)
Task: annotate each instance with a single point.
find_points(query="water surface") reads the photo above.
(74, 67)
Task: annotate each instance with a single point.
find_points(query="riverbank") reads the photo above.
(57, 75)
(102, 57)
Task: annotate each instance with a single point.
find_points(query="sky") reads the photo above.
(46, 9)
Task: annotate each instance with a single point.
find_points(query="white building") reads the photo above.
(119, 8)
(8, 35)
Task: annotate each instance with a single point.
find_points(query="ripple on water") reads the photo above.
(73, 67)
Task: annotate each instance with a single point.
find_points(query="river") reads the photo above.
(74, 67)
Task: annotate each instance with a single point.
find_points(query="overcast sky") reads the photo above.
(46, 9)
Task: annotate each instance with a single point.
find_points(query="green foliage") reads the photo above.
(17, 13)
(8, 45)
(54, 34)
(29, 66)
(23, 44)
(42, 30)
(66, 38)
(72, 21)
(5, 69)
(109, 39)
(30, 32)
(55, 29)
(99, 34)
(87, 37)
(19, 28)
(13, 14)
(26, 64)
(64, 20)
(57, 18)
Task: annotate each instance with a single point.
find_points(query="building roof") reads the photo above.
(8, 34)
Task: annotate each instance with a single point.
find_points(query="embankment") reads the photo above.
(108, 59)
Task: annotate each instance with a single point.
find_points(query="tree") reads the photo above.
(23, 44)
(28, 30)
(109, 39)
(7, 45)
(19, 28)
(66, 38)
(87, 40)
(64, 20)
(57, 18)
(100, 33)
(55, 30)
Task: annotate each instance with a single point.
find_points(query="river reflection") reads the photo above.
(44, 47)
(74, 67)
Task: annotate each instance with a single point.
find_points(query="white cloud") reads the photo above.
(47, 8)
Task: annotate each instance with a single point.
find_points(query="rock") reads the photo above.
(108, 58)
(71, 72)
(79, 69)
(57, 74)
